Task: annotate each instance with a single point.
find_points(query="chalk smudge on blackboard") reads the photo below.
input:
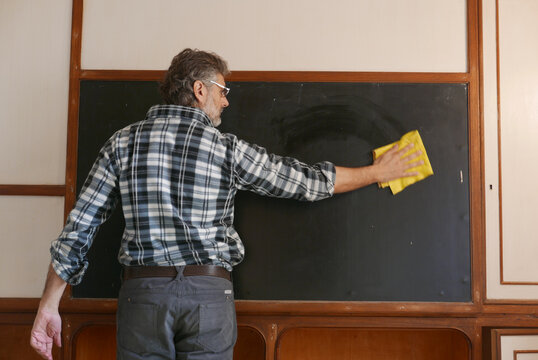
(338, 119)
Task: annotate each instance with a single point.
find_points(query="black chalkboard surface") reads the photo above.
(368, 245)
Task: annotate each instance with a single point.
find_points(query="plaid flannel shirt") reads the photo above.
(176, 176)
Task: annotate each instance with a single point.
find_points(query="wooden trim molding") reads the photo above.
(476, 153)
(19, 305)
(289, 76)
(527, 311)
(72, 113)
(479, 247)
(122, 75)
(499, 152)
(72, 119)
(32, 190)
(519, 304)
(328, 76)
(517, 352)
(305, 308)
(531, 283)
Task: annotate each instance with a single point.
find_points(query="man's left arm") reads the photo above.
(47, 327)
(94, 205)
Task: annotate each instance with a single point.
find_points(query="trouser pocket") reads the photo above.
(217, 327)
(137, 329)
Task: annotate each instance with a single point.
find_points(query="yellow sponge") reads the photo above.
(423, 170)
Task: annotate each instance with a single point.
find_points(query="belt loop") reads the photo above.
(179, 275)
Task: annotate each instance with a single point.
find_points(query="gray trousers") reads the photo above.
(184, 318)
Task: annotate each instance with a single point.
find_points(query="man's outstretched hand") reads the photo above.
(393, 164)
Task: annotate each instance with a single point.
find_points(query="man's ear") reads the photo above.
(200, 92)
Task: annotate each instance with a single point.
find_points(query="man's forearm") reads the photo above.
(48, 323)
(393, 164)
(349, 179)
(54, 288)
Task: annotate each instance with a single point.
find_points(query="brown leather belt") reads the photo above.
(133, 272)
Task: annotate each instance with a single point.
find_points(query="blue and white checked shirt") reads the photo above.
(176, 176)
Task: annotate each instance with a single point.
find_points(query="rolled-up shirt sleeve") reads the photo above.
(95, 203)
(278, 176)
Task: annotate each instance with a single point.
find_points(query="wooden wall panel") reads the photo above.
(250, 344)
(372, 344)
(99, 342)
(15, 342)
(96, 342)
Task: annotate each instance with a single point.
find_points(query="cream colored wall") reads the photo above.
(34, 68)
(365, 35)
(528, 356)
(510, 344)
(28, 226)
(518, 86)
(34, 38)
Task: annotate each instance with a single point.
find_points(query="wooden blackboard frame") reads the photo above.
(332, 77)
(316, 307)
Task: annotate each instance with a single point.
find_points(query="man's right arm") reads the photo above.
(48, 324)
(389, 166)
(268, 174)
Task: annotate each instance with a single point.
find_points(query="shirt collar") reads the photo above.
(168, 111)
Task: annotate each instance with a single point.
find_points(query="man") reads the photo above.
(176, 176)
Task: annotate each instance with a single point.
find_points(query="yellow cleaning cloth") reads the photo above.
(424, 170)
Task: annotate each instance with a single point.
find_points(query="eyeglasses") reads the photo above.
(225, 91)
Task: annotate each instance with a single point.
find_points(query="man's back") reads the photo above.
(175, 180)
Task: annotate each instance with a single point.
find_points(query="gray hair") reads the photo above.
(187, 67)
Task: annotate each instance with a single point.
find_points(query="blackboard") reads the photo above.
(368, 245)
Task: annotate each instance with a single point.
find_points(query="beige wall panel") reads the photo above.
(512, 343)
(530, 356)
(35, 42)
(28, 226)
(519, 130)
(340, 35)
(490, 150)
(494, 288)
(518, 98)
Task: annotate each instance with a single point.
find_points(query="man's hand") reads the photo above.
(48, 324)
(389, 166)
(47, 329)
(393, 164)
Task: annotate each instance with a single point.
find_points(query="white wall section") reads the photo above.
(29, 224)
(339, 35)
(35, 40)
(518, 98)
